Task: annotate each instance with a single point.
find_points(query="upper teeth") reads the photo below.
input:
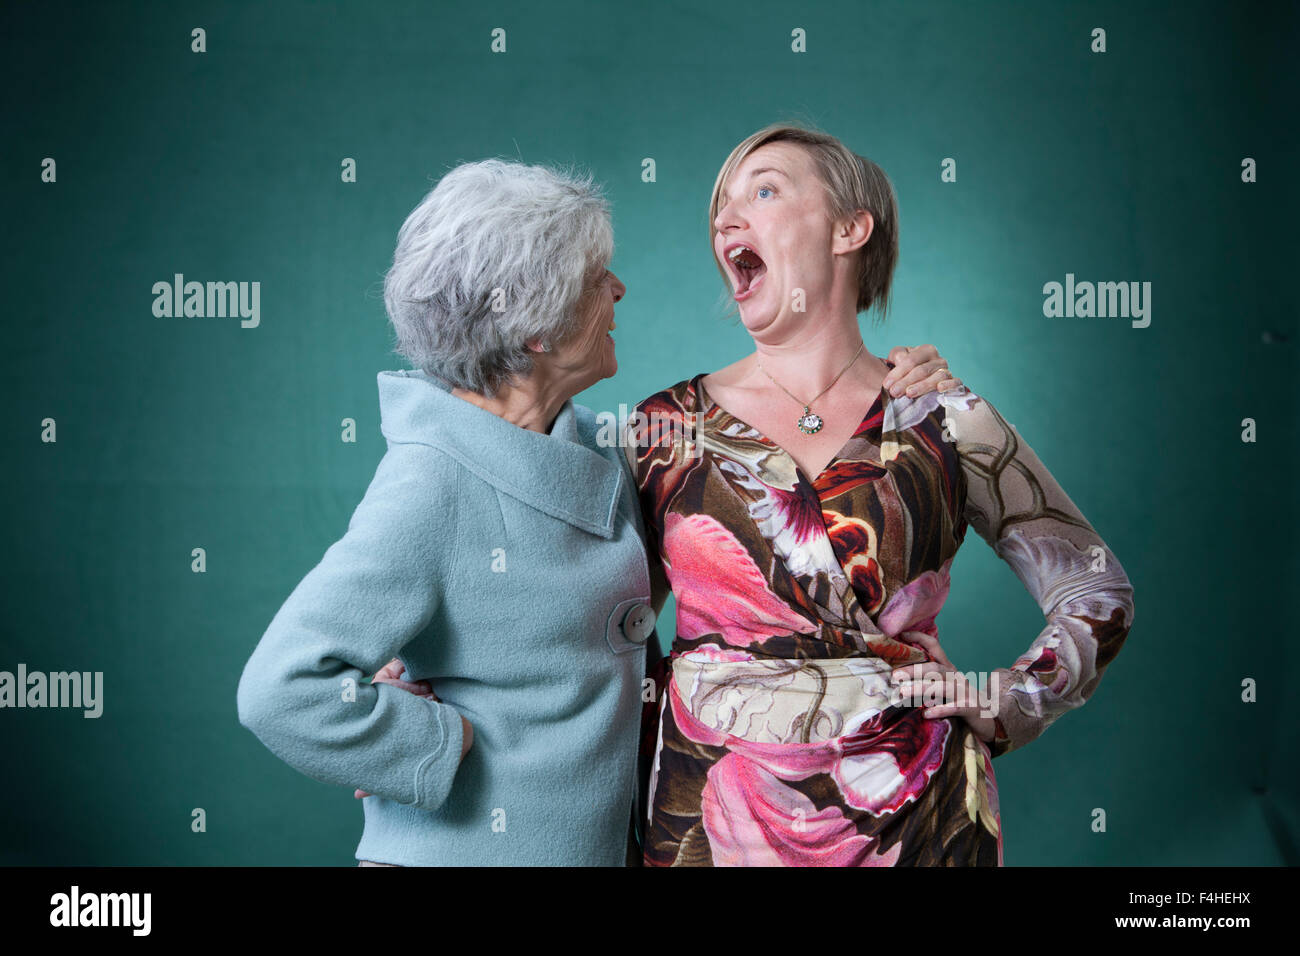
(735, 253)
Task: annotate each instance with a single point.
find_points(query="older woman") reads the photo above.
(810, 716)
(498, 551)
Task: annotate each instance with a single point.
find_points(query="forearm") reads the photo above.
(303, 691)
(317, 713)
(1064, 665)
(1019, 509)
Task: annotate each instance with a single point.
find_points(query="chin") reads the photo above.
(756, 318)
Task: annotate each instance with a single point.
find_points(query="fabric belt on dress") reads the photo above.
(778, 701)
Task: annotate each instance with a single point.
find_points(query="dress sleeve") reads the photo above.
(660, 438)
(1018, 508)
(303, 691)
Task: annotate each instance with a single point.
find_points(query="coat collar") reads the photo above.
(558, 474)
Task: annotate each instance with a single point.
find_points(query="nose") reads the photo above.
(617, 287)
(727, 217)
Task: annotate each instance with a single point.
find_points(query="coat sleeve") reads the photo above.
(1017, 507)
(303, 692)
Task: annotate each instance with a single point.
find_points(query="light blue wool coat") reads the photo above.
(507, 568)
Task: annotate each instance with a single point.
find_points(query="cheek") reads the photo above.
(596, 337)
(591, 327)
(793, 262)
(806, 259)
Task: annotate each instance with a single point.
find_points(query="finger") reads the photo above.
(983, 727)
(898, 357)
(937, 687)
(393, 668)
(917, 672)
(936, 652)
(391, 673)
(906, 359)
(955, 697)
(918, 354)
(418, 688)
(930, 644)
(916, 381)
(946, 706)
(929, 689)
(938, 367)
(932, 676)
(926, 378)
(940, 711)
(358, 794)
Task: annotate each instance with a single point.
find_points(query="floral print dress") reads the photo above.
(777, 739)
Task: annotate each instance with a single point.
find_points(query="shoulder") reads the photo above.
(965, 418)
(960, 403)
(661, 425)
(679, 399)
(403, 520)
(983, 441)
(970, 416)
(413, 485)
(666, 417)
(599, 432)
(588, 423)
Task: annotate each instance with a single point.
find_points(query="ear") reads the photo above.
(537, 345)
(851, 234)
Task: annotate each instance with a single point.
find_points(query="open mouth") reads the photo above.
(748, 268)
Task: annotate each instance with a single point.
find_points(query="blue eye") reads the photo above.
(763, 189)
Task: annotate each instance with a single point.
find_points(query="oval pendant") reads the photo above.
(809, 422)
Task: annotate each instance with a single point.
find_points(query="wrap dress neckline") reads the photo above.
(868, 426)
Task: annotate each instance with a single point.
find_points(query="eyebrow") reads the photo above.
(757, 172)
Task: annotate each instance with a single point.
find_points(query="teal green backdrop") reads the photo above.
(225, 165)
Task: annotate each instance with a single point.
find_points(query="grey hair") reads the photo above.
(496, 254)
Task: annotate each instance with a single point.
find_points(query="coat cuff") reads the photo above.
(437, 772)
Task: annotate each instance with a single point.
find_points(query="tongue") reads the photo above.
(750, 267)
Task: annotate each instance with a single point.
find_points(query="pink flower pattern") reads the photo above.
(776, 574)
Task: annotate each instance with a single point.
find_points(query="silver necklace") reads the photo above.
(810, 423)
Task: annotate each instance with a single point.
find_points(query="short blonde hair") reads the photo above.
(852, 182)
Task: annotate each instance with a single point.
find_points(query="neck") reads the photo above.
(532, 403)
(807, 360)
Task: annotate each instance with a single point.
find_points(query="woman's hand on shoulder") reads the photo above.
(918, 369)
(391, 673)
